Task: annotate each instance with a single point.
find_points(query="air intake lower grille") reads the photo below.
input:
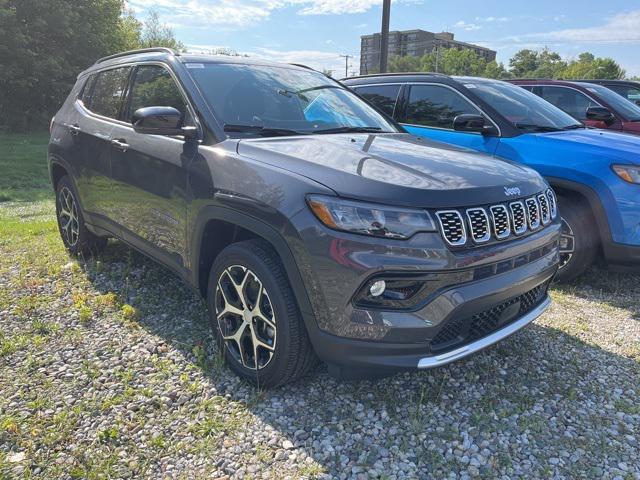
(452, 227)
(466, 330)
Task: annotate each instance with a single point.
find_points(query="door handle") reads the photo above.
(120, 144)
(74, 129)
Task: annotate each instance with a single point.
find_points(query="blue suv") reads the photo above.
(595, 173)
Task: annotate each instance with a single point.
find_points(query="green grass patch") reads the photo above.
(23, 163)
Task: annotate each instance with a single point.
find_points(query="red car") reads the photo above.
(594, 105)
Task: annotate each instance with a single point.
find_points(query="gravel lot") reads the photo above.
(107, 369)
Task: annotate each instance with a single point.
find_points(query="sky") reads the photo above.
(318, 32)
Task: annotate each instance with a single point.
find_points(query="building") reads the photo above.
(414, 43)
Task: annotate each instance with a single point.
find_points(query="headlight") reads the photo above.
(368, 218)
(628, 173)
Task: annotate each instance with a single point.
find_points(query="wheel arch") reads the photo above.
(218, 227)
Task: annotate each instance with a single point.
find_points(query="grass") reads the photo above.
(23, 163)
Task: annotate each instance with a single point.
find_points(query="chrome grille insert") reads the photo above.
(500, 220)
(479, 225)
(545, 215)
(518, 217)
(553, 209)
(533, 212)
(452, 227)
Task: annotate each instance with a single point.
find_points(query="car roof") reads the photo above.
(551, 81)
(150, 54)
(409, 77)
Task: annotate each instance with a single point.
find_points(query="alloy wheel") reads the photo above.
(245, 317)
(68, 216)
(567, 243)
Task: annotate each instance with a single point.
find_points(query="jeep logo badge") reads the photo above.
(511, 191)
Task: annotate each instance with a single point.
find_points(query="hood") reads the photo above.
(610, 145)
(397, 169)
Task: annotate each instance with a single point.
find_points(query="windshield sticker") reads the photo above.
(470, 85)
(195, 65)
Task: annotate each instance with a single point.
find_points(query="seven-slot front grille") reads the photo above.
(501, 221)
(479, 223)
(453, 227)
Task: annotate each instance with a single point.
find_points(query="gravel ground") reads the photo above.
(107, 369)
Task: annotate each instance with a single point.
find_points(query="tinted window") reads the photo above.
(627, 109)
(382, 96)
(572, 101)
(521, 108)
(106, 98)
(87, 90)
(630, 93)
(436, 106)
(153, 86)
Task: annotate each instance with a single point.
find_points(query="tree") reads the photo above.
(496, 70)
(523, 63)
(158, 34)
(588, 66)
(44, 44)
(461, 62)
(404, 64)
(550, 65)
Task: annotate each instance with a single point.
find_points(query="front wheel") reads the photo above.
(255, 317)
(578, 238)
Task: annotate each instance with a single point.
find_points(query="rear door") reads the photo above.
(149, 172)
(99, 108)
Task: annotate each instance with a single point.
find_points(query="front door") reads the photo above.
(430, 111)
(150, 171)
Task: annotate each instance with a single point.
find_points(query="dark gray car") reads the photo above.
(313, 224)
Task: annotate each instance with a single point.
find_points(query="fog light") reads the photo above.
(377, 288)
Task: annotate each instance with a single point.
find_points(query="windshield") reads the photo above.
(624, 107)
(253, 100)
(523, 109)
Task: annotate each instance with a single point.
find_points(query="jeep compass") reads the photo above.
(314, 226)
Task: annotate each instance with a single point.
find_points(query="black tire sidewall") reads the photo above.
(280, 298)
(581, 222)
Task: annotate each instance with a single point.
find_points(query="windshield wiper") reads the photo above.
(352, 130)
(575, 126)
(536, 128)
(260, 130)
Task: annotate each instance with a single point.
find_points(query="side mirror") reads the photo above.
(468, 122)
(600, 114)
(160, 121)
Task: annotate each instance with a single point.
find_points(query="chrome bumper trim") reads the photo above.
(448, 357)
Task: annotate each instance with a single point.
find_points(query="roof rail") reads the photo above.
(398, 74)
(139, 50)
(301, 65)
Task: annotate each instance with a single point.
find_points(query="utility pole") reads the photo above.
(346, 64)
(384, 35)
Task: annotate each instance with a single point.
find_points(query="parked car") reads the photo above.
(311, 223)
(596, 173)
(625, 88)
(594, 105)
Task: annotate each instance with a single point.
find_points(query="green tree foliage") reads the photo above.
(523, 63)
(588, 66)
(44, 44)
(157, 34)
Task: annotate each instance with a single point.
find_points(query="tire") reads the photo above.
(265, 327)
(76, 238)
(579, 240)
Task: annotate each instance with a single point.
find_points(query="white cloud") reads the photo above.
(492, 19)
(467, 26)
(620, 28)
(241, 13)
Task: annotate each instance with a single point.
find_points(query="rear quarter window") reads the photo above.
(107, 92)
(382, 96)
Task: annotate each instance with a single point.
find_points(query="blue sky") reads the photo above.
(317, 32)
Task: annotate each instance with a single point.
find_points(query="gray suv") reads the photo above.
(313, 224)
